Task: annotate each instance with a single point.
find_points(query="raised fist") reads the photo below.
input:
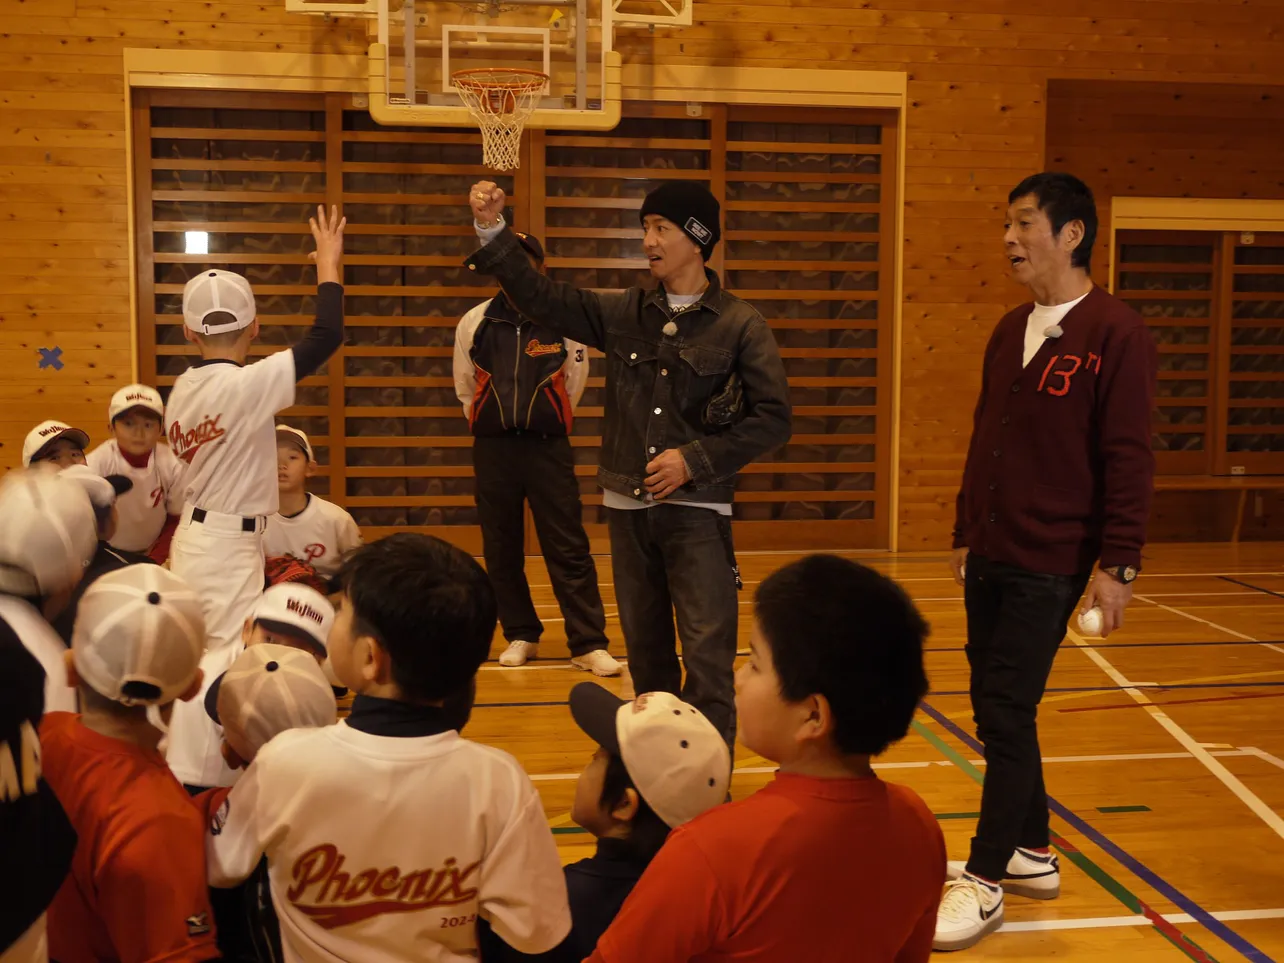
(487, 200)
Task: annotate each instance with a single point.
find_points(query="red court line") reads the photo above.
(1178, 702)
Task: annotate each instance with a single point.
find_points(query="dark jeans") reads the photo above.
(1016, 621)
(537, 468)
(670, 560)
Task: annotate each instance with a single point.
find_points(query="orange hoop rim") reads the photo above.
(512, 79)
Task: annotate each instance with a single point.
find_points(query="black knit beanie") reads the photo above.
(691, 207)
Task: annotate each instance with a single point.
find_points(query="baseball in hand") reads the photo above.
(1090, 621)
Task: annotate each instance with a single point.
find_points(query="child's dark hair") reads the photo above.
(428, 604)
(1064, 198)
(841, 630)
(647, 831)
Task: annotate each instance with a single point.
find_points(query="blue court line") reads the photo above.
(1247, 585)
(1129, 862)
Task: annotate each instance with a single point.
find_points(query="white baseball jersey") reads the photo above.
(155, 495)
(320, 535)
(221, 424)
(386, 849)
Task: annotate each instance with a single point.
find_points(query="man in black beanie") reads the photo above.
(695, 390)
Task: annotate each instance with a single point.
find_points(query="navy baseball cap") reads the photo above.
(532, 245)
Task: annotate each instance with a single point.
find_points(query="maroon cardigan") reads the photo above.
(1059, 471)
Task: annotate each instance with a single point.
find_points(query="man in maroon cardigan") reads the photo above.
(1058, 481)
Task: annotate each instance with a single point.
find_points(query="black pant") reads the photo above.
(1016, 621)
(537, 468)
(674, 559)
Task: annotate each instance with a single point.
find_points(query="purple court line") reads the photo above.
(1129, 862)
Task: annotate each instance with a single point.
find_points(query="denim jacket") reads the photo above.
(716, 390)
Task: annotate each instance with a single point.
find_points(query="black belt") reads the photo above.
(247, 524)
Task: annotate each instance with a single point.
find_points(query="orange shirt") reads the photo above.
(136, 892)
(822, 870)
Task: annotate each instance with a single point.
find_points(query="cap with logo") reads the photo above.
(45, 434)
(139, 636)
(213, 291)
(296, 437)
(135, 396)
(532, 245)
(295, 609)
(48, 532)
(676, 758)
(269, 689)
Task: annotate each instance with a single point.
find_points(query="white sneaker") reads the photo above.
(969, 910)
(518, 652)
(599, 662)
(1029, 874)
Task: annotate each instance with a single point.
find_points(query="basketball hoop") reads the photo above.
(501, 100)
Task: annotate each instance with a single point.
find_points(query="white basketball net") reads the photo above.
(501, 100)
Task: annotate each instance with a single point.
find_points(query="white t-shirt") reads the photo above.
(155, 495)
(320, 535)
(386, 849)
(45, 644)
(1041, 318)
(221, 422)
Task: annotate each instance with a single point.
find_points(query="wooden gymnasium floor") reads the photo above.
(1168, 793)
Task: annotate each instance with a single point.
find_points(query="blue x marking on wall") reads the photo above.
(49, 358)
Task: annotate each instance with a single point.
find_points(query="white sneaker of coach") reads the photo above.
(969, 910)
(518, 652)
(599, 662)
(1029, 874)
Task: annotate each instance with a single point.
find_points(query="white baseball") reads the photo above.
(1090, 621)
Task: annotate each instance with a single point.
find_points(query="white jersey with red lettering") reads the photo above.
(319, 535)
(156, 493)
(221, 421)
(386, 849)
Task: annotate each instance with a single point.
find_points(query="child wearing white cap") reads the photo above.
(306, 527)
(148, 513)
(660, 763)
(55, 442)
(221, 425)
(136, 889)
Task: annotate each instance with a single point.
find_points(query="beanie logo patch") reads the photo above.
(698, 230)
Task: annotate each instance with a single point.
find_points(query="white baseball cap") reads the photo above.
(269, 689)
(48, 532)
(135, 396)
(212, 291)
(139, 635)
(46, 433)
(295, 437)
(676, 758)
(296, 609)
(102, 491)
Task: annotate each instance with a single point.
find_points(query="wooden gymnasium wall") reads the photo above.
(975, 124)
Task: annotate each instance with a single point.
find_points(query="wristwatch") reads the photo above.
(1126, 574)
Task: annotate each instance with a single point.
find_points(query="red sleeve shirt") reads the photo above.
(823, 870)
(136, 892)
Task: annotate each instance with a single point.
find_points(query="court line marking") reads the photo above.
(1255, 588)
(1112, 849)
(978, 762)
(1227, 778)
(1095, 872)
(1219, 628)
(1104, 922)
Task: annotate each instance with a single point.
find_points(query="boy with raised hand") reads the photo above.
(388, 835)
(149, 512)
(827, 863)
(137, 890)
(221, 424)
